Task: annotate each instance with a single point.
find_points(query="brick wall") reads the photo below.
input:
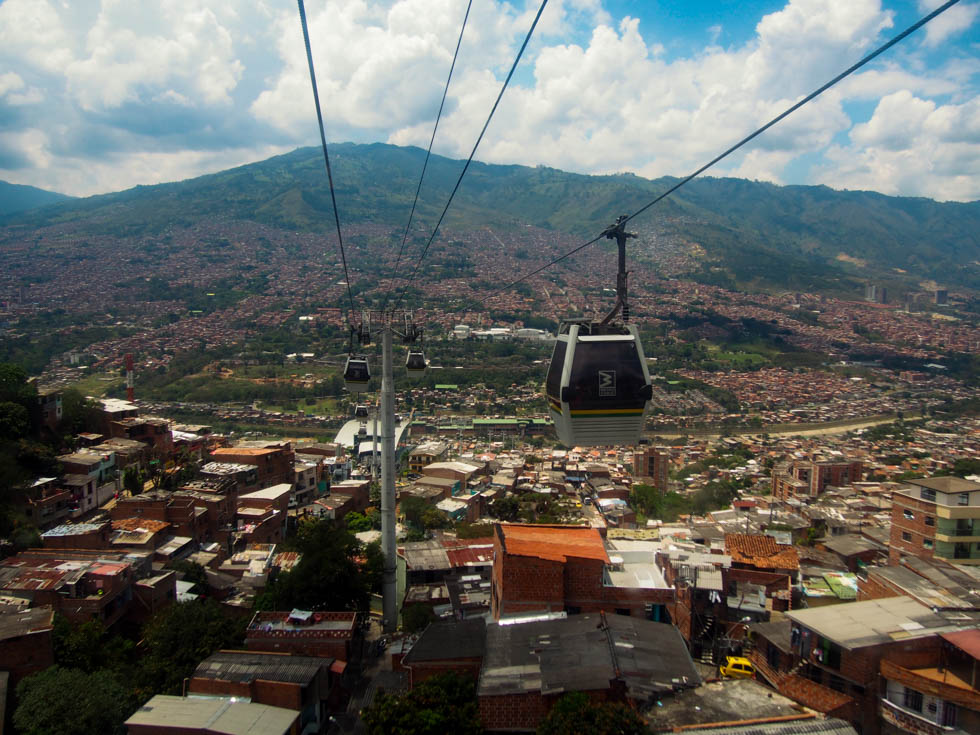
(874, 588)
(914, 527)
(524, 584)
(512, 711)
(26, 655)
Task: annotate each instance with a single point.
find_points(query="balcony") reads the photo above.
(942, 684)
(909, 721)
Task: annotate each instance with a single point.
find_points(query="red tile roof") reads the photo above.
(761, 551)
(556, 543)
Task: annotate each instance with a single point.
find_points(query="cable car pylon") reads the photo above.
(387, 418)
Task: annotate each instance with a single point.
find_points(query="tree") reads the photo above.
(444, 703)
(506, 509)
(15, 422)
(179, 638)
(59, 701)
(89, 647)
(357, 522)
(192, 572)
(577, 713)
(77, 412)
(412, 508)
(133, 480)
(416, 618)
(434, 518)
(327, 577)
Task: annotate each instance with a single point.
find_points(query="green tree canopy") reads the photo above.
(577, 713)
(89, 647)
(328, 575)
(443, 704)
(179, 638)
(59, 701)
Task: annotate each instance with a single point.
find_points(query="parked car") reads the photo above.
(737, 667)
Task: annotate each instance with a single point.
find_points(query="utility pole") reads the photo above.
(388, 481)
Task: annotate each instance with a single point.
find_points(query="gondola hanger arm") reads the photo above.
(618, 233)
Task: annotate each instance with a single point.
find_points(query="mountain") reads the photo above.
(17, 198)
(751, 233)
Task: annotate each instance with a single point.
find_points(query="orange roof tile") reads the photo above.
(555, 543)
(761, 551)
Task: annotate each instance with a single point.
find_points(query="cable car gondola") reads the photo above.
(357, 374)
(415, 363)
(361, 412)
(598, 384)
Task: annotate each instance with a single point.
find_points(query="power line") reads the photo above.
(326, 156)
(881, 49)
(428, 153)
(476, 145)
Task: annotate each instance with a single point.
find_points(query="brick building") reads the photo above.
(936, 517)
(652, 463)
(78, 536)
(539, 568)
(180, 511)
(936, 693)
(151, 431)
(456, 645)
(425, 454)
(323, 634)
(46, 503)
(79, 587)
(839, 651)
(304, 683)
(607, 657)
(808, 479)
(275, 463)
(25, 640)
(169, 715)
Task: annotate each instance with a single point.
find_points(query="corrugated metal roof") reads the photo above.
(246, 666)
(798, 727)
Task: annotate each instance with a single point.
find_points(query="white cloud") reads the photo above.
(913, 147)
(201, 83)
(953, 21)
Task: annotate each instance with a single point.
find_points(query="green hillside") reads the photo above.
(18, 198)
(752, 233)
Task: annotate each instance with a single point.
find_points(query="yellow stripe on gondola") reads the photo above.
(607, 412)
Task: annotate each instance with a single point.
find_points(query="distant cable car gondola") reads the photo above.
(357, 374)
(415, 363)
(360, 412)
(598, 385)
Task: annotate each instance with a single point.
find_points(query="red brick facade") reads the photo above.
(913, 527)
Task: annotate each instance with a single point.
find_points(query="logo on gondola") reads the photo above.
(607, 383)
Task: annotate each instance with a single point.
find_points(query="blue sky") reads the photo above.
(100, 96)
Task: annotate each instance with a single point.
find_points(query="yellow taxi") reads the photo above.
(737, 667)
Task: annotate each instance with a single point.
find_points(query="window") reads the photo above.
(927, 543)
(906, 536)
(913, 700)
(964, 499)
(909, 515)
(928, 494)
(930, 521)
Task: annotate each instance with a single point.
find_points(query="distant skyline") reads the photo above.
(102, 96)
